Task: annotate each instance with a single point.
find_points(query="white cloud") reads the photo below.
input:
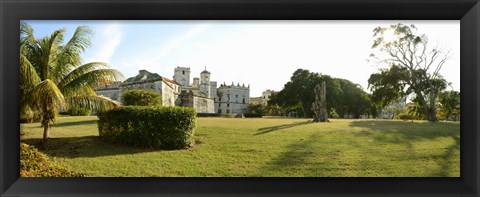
(105, 43)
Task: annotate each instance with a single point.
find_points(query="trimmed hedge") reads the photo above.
(36, 164)
(141, 98)
(249, 115)
(156, 127)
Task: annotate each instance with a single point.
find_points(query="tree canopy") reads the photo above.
(343, 97)
(53, 78)
(413, 68)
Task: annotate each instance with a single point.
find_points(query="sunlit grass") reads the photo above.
(266, 147)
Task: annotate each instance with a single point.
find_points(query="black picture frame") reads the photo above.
(467, 11)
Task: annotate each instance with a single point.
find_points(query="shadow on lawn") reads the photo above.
(299, 156)
(328, 161)
(406, 133)
(74, 123)
(265, 130)
(85, 146)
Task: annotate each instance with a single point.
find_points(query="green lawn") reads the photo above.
(266, 147)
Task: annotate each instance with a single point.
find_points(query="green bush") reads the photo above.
(30, 116)
(403, 116)
(36, 164)
(157, 127)
(250, 115)
(141, 98)
(79, 112)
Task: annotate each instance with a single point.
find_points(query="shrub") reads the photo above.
(157, 127)
(36, 164)
(405, 116)
(79, 112)
(141, 98)
(30, 116)
(249, 115)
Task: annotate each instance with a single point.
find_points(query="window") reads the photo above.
(219, 104)
(219, 98)
(183, 72)
(236, 96)
(228, 111)
(228, 104)
(219, 111)
(243, 100)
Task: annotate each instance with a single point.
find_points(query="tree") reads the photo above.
(449, 103)
(141, 98)
(53, 77)
(414, 67)
(344, 97)
(256, 109)
(415, 109)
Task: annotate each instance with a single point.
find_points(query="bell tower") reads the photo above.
(205, 82)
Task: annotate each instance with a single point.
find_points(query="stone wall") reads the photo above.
(113, 93)
(200, 104)
(203, 105)
(169, 95)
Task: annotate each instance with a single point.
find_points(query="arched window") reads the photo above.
(183, 72)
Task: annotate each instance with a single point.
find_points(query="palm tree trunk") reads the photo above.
(45, 124)
(46, 130)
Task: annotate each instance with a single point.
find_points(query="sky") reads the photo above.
(262, 54)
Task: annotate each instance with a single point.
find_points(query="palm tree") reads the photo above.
(53, 77)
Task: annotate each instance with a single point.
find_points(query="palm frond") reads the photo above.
(26, 36)
(81, 70)
(28, 74)
(79, 41)
(69, 56)
(48, 91)
(92, 102)
(93, 79)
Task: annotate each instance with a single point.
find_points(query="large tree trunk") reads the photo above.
(319, 106)
(428, 110)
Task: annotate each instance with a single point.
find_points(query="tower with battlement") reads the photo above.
(182, 76)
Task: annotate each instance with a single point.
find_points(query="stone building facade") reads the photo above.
(226, 99)
(264, 98)
(232, 99)
(202, 95)
(169, 90)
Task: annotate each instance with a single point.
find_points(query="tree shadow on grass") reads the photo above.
(75, 123)
(405, 131)
(406, 134)
(85, 146)
(303, 158)
(265, 130)
(310, 158)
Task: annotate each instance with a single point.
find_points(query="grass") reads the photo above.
(266, 148)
